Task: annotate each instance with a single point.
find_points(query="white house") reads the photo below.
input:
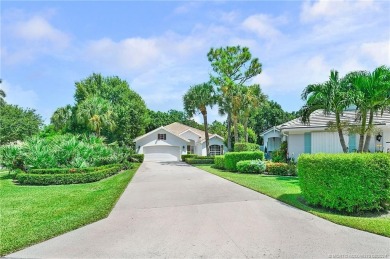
(168, 143)
(316, 137)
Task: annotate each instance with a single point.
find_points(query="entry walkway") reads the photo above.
(172, 210)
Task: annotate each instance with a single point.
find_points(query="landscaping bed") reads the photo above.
(32, 214)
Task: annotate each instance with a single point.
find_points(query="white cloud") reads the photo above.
(378, 51)
(264, 26)
(17, 95)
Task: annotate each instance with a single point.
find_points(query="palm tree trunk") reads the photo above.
(369, 127)
(340, 131)
(246, 130)
(229, 131)
(235, 125)
(362, 131)
(206, 131)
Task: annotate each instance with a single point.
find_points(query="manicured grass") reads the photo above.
(32, 214)
(286, 189)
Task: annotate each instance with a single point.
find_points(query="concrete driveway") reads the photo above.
(172, 210)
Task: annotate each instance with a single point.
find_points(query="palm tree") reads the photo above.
(2, 96)
(371, 95)
(197, 99)
(331, 96)
(252, 97)
(62, 117)
(96, 113)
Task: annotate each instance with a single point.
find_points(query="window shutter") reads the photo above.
(352, 143)
(307, 142)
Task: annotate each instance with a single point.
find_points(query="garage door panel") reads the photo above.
(162, 153)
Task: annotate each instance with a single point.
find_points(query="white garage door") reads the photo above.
(162, 153)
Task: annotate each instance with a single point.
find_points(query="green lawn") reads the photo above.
(32, 214)
(287, 189)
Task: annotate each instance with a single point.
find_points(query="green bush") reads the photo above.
(67, 178)
(184, 157)
(281, 169)
(251, 166)
(346, 182)
(193, 161)
(232, 158)
(139, 158)
(241, 147)
(219, 162)
(69, 170)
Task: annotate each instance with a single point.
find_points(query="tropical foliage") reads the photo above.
(17, 123)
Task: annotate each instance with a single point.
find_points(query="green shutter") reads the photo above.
(352, 143)
(307, 142)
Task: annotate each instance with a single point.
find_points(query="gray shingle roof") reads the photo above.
(178, 128)
(319, 119)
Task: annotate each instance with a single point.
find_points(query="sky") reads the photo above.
(160, 47)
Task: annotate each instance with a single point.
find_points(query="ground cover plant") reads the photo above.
(32, 214)
(286, 189)
(232, 158)
(251, 166)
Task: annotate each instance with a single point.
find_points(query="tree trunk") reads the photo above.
(229, 129)
(369, 127)
(235, 128)
(340, 131)
(206, 131)
(246, 131)
(362, 131)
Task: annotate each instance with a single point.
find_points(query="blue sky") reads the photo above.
(160, 47)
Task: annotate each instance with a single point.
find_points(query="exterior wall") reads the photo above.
(386, 138)
(213, 141)
(327, 142)
(268, 140)
(295, 145)
(151, 140)
(190, 135)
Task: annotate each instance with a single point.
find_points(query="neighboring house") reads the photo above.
(316, 137)
(168, 143)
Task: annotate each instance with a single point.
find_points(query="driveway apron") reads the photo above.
(173, 210)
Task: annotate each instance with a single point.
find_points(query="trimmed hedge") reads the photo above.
(193, 161)
(281, 169)
(346, 182)
(67, 178)
(219, 162)
(184, 157)
(139, 158)
(251, 166)
(232, 158)
(241, 147)
(68, 170)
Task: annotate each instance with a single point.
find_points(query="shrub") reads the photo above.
(184, 157)
(193, 161)
(251, 166)
(139, 158)
(345, 182)
(67, 178)
(232, 158)
(69, 170)
(281, 169)
(240, 147)
(219, 162)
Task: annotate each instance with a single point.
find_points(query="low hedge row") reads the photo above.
(68, 170)
(241, 147)
(67, 178)
(184, 157)
(193, 161)
(251, 166)
(232, 158)
(139, 158)
(346, 182)
(281, 169)
(219, 162)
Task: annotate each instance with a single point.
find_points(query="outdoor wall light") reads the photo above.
(379, 137)
(184, 147)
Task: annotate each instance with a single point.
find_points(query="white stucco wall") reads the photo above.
(386, 138)
(151, 140)
(190, 135)
(268, 141)
(327, 142)
(295, 145)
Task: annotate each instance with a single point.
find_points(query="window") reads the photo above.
(215, 150)
(162, 136)
(190, 149)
